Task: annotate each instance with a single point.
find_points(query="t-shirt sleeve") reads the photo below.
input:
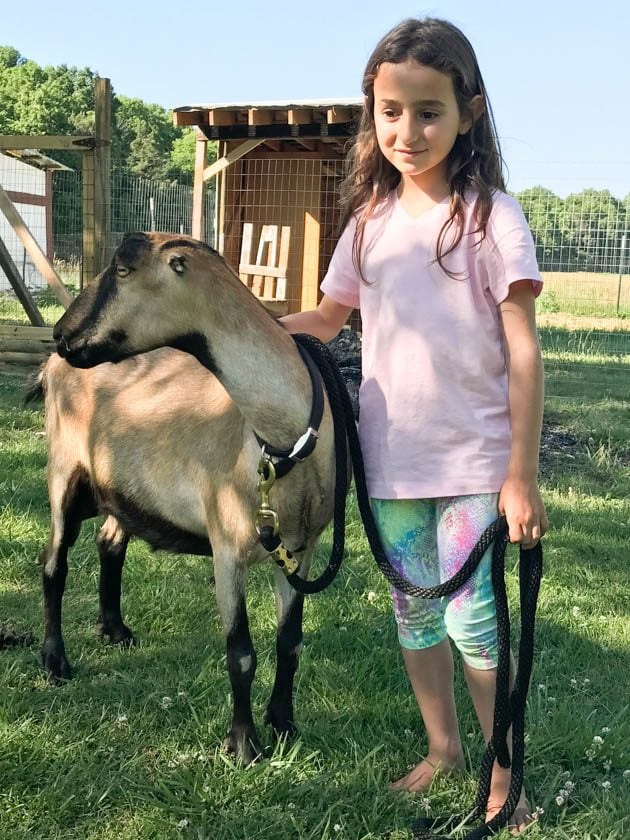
(342, 282)
(512, 253)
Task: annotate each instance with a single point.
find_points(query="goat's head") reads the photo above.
(146, 298)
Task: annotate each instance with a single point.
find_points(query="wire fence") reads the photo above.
(582, 241)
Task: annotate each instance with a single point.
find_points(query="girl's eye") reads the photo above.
(428, 115)
(389, 114)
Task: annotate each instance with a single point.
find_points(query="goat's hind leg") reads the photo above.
(112, 543)
(71, 501)
(289, 611)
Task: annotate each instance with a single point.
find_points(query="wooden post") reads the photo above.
(34, 251)
(198, 214)
(310, 262)
(88, 261)
(20, 289)
(102, 172)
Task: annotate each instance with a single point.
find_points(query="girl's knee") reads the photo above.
(479, 649)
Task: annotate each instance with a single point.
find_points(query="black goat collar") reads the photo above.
(305, 444)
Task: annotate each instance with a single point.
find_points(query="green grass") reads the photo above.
(107, 756)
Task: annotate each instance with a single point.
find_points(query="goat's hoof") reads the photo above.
(55, 663)
(281, 724)
(244, 746)
(117, 635)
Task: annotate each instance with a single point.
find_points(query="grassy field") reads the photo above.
(129, 749)
(585, 293)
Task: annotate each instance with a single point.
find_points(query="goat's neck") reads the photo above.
(261, 369)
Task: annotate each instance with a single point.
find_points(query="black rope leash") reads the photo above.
(509, 709)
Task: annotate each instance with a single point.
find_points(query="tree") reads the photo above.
(542, 209)
(593, 223)
(9, 57)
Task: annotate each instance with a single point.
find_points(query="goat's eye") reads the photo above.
(178, 264)
(122, 270)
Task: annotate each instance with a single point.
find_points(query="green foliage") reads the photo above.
(582, 232)
(60, 100)
(9, 57)
(548, 302)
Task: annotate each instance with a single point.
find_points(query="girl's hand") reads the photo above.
(521, 504)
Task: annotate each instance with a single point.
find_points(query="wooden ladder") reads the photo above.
(267, 278)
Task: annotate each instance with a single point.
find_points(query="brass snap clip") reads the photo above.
(265, 516)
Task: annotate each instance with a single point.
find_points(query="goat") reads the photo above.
(163, 442)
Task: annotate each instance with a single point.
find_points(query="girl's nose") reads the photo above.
(408, 130)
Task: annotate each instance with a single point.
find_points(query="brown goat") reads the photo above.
(163, 444)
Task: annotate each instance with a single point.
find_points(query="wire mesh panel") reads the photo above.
(583, 249)
(582, 241)
(52, 206)
(298, 193)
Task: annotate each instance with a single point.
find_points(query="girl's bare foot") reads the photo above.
(522, 816)
(421, 776)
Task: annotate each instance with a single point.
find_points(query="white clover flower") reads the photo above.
(291, 806)
(606, 785)
(371, 596)
(183, 824)
(181, 693)
(607, 765)
(605, 730)
(538, 812)
(166, 702)
(559, 801)
(590, 753)
(425, 803)
(336, 827)
(551, 699)
(598, 740)
(626, 775)
(586, 681)
(564, 793)
(574, 682)
(576, 611)
(121, 720)
(569, 785)
(542, 687)
(408, 732)
(343, 629)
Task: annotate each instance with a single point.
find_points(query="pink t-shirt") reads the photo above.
(434, 418)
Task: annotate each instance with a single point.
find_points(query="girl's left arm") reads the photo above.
(520, 498)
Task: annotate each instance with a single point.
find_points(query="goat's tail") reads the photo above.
(36, 387)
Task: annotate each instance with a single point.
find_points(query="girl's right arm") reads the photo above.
(324, 323)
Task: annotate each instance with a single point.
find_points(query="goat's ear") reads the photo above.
(178, 264)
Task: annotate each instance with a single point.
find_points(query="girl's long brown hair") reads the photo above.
(475, 159)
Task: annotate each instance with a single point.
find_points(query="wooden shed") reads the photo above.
(277, 174)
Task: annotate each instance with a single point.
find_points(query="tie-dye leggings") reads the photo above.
(427, 541)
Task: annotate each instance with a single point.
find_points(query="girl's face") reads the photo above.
(417, 120)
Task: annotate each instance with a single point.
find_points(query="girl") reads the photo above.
(441, 264)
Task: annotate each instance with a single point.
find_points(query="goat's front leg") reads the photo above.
(112, 544)
(242, 739)
(289, 609)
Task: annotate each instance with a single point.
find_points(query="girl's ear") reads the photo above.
(475, 109)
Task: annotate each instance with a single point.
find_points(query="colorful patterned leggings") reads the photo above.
(427, 541)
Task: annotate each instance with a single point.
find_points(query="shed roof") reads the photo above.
(33, 157)
(330, 121)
